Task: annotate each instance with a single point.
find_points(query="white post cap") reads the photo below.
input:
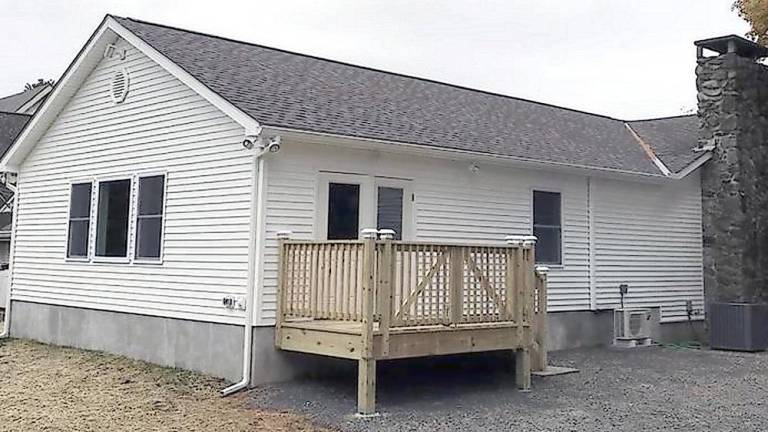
(284, 234)
(542, 270)
(514, 240)
(369, 233)
(387, 234)
(528, 241)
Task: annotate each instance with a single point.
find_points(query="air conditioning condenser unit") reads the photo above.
(632, 327)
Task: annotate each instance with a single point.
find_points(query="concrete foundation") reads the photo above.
(216, 349)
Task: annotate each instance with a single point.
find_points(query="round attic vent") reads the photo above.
(119, 85)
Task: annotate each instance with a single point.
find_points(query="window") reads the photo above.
(389, 210)
(149, 217)
(343, 211)
(79, 220)
(547, 227)
(112, 218)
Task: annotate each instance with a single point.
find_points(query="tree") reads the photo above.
(755, 12)
(40, 82)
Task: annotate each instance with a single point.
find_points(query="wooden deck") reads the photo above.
(376, 300)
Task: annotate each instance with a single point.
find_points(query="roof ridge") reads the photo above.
(402, 75)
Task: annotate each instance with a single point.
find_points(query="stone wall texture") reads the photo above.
(733, 108)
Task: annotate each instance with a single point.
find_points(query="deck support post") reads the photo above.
(366, 371)
(366, 386)
(523, 369)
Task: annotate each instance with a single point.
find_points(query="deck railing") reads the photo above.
(387, 284)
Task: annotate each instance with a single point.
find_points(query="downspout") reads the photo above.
(254, 260)
(592, 242)
(7, 319)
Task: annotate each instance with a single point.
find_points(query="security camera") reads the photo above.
(274, 144)
(248, 144)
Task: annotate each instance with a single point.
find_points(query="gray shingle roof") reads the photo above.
(284, 89)
(13, 102)
(672, 138)
(11, 125)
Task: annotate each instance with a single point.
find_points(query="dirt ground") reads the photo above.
(45, 388)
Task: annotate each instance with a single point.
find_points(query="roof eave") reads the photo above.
(316, 137)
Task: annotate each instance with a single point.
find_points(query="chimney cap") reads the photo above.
(734, 44)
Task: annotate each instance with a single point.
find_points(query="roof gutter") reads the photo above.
(386, 145)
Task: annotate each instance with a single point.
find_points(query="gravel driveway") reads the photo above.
(642, 389)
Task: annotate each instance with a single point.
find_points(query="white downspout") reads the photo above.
(592, 242)
(254, 259)
(14, 216)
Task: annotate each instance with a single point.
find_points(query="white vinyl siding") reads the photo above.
(451, 204)
(162, 126)
(649, 237)
(645, 234)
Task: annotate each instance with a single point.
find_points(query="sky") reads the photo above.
(628, 59)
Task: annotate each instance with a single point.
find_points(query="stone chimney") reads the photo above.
(732, 90)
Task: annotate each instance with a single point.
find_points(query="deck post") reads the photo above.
(366, 370)
(384, 288)
(282, 236)
(366, 386)
(456, 283)
(510, 276)
(528, 264)
(519, 292)
(540, 360)
(529, 288)
(523, 369)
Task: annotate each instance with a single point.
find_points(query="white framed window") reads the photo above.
(394, 206)
(150, 214)
(79, 224)
(348, 203)
(113, 208)
(548, 227)
(342, 205)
